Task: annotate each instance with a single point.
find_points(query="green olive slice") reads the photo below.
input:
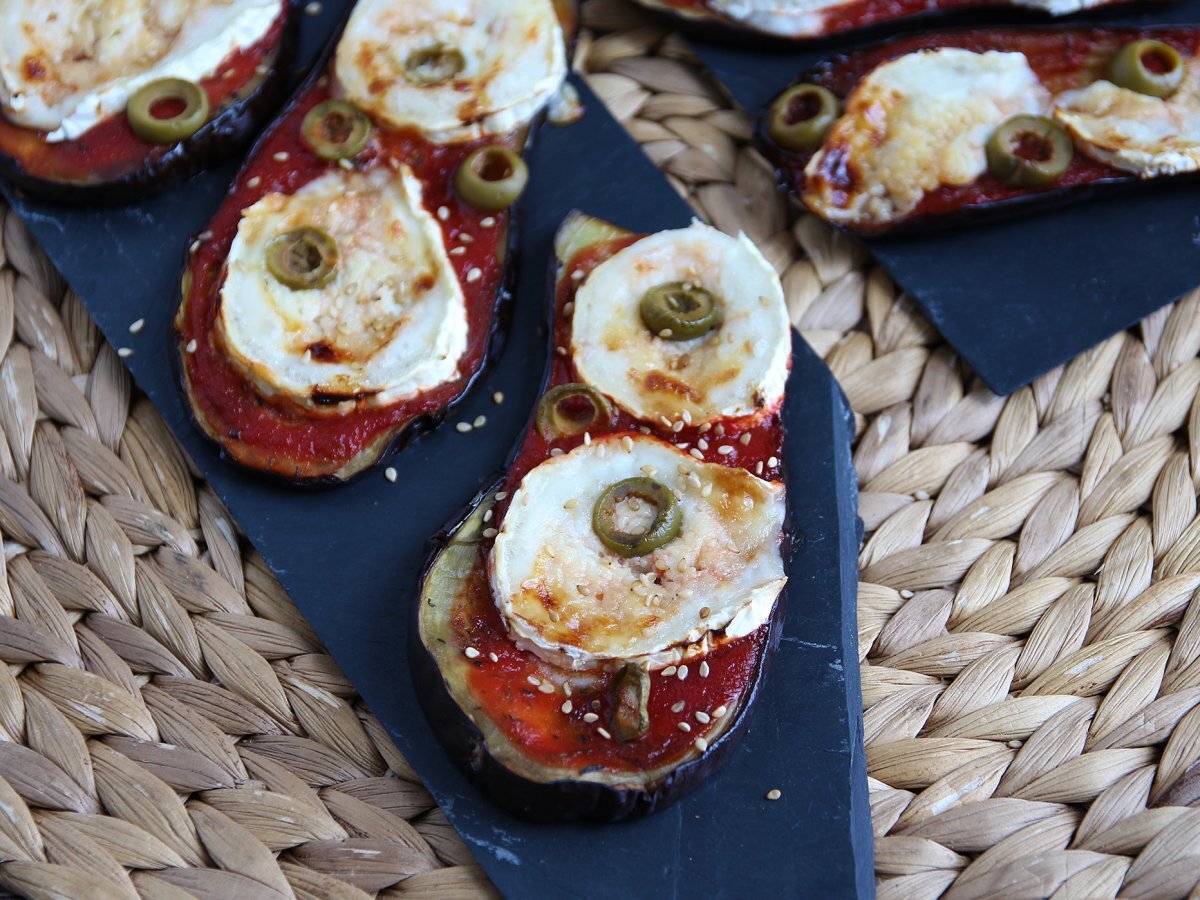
(663, 529)
(492, 178)
(435, 64)
(335, 129)
(167, 110)
(680, 311)
(1029, 151)
(569, 410)
(800, 117)
(302, 258)
(1148, 67)
(631, 709)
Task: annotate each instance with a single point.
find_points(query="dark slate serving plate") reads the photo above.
(1018, 297)
(351, 557)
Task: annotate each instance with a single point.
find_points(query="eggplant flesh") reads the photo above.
(217, 140)
(500, 768)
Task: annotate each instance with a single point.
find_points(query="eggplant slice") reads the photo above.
(119, 167)
(469, 695)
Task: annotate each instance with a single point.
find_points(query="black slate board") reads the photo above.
(1020, 296)
(351, 557)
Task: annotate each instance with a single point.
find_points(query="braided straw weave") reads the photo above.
(171, 727)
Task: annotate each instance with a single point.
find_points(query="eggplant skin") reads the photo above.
(565, 800)
(216, 141)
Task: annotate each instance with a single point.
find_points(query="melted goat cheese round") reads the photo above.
(513, 52)
(66, 65)
(1148, 136)
(571, 600)
(391, 323)
(914, 124)
(737, 369)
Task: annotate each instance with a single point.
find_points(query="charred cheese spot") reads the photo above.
(391, 322)
(912, 125)
(568, 598)
(716, 375)
(513, 59)
(66, 65)
(1136, 133)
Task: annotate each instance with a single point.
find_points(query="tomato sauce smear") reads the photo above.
(506, 680)
(110, 149)
(280, 436)
(1062, 59)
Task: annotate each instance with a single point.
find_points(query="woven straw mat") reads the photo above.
(170, 726)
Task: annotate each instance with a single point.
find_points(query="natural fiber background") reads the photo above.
(171, 727)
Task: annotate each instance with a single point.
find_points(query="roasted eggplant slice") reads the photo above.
(589, 641)
(805, 20)
(76, 127)
(941, 129)
(347, 290)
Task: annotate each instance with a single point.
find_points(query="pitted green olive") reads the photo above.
(1029, 151)
(679, 311)
(435, 64)
(303, 258)
(335, 129)
(1148, 67)
(800, 117)
(167, 110)
(568, 410)
(492, 178)
(663, 528)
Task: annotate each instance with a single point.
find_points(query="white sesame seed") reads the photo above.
(745, 438)
(587, 438)
(774, 794)
(533, 679)
(457, 251)
(701, 744)
(194, 247)
(479, 422)
(643, 429)
(571, 504)
(137, 326)
(906, 594)
(546, 687)
(704, 669)
(725, 449)
(390, 474)
(668, 671)
(603, 732)
(558, 451)
(487, 516)
(443, 213)
(191, 346)
(561, 351)
(719, 711)
(567, 707)
(590, 718)
(686, 416)
(254, 182)
(124, 352)
(487, 222)
(498, 397)
(490, 533)
(649, 471)
(474, 275)
(577, 275)
(677, 706)
(567, 688)
(682, 673)
(281, 156)
(758, 467)
(702, 444)
(773, 461)
(627, 443)
(696, 453)
(463, 427)
(568, 307)
(682, 446)
(706, 490)
(464, 238)
(665, 333)
(677, 427)
(313, 9)
(471, 653)
(702, 717)
(684, 726)
(501, 495)
(493, 657)
(345, 164)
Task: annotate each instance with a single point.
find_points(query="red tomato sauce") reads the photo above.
(534, 720)
(111, 149)
(276, 434)
(1061, 58)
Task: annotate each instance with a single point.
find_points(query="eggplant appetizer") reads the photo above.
(347, 287)
(806, 19)
(935, 129)
(588, 643)
(110, 100)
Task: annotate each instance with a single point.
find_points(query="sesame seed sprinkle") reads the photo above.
(561, 351)
(603, 732)
(490, 533)
(774, 794)
(704, 669)
(137, 326)
(474, 275)
(906, 594)
(390, 474)
(471, 653)
(590, 718)
(254, 182)
(758, 467)
(546, 687)
(682, 673)
(643, 429)
(773, 461)
(627, 443)
(567, 707)
(587, 438)
(744, 440)
(194, 247)
(493, 657)
(677, 706)
(725, 449)
(665, 333)
(457, 251)
(559, 451)
(702, 717)
(701, 744)
(684, 726)
(571, 504)
(577, 275)
(191, 346)
(567, 688)
(313, 9)
(704, 612)
(702, 444)
(464, 238)
(281, 156)
(487, 516)
(668, 671)
(124, 352)
(487, 222)
(463, 427)
(706, 490)
(479, 422)
(677, 427)
(498, 397)
(696, 453)
(686, 416)
(345, 164)
(501, 495)
(719, 711)
(534, 680)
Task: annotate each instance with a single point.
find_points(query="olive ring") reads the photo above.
(679, 311)
(492, 178)
(1148, 67)
(302, 258)
(568, 410)
(801, 116)
(335, 129)
(668, 518)
(167, 129)
(1029, 151)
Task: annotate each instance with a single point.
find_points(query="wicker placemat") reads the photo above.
(171, 727)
